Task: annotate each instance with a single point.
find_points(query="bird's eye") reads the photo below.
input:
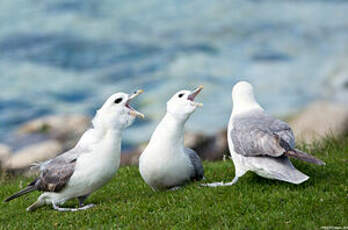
(118, 100)
(180, 95)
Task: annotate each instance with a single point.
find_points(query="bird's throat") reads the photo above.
(171, 128)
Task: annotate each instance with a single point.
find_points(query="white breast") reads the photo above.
(164, 167)
(95, 168)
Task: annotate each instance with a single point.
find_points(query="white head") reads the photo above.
(243, 97)
(116, 113)
(182, 104)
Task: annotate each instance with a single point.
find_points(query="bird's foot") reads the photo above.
(175, 188)
(72, 209)
(215, 184)
(221, 184)
(86, 206)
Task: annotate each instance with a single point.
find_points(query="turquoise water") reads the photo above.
(61, 56)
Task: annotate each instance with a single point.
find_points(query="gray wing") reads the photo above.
(260, 134)
(55, 173)
(198, 173)
(64, 157)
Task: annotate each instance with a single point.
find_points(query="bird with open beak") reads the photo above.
(91, 163)
(165, 162)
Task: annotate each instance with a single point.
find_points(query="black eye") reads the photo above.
(118, 100)
(180, 95)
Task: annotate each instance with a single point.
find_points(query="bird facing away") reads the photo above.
(91, 163)
(165, 162)
(260, 143)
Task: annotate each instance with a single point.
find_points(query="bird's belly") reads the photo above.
(90, 176)
(165, 171)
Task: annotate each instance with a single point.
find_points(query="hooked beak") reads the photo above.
(193, 95)
(132, 111)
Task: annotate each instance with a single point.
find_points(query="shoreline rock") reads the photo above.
(210, 148)
(23, 159)
(5, 153)
(318, 120)
(67, 129)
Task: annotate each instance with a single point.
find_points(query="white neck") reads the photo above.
(244, 106)
(103, 132)
(170, 128)
(99, 134)
(115, 138)
(109, 143)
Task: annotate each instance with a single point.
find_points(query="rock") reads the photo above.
(192, 140)
(132, 157)
(67, 129)
(209, 148)
(320, 119)
(5, 153)
(25, 157)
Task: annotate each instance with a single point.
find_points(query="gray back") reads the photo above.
(258, 134)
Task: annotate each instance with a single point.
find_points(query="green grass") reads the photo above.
(253, 203)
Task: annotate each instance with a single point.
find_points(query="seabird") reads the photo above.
(260, 143)
(91, 163)
(165, 162)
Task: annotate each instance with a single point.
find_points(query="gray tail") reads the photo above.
(20, 193)
(295, 153)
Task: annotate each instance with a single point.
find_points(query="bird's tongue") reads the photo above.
(133, 111)
(191, 97)
(129, 106)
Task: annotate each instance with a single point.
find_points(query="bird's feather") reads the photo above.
(55, 176)
(26, 190)
(258, 134)
(304, 156)
(279, 168)
(54, 173)
(196, 162)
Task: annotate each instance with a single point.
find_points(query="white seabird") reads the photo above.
(91, 163)
(165, 162)
(260, 143)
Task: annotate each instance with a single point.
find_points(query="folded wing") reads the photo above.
(54, 174)
(259, 134)
(198, 171)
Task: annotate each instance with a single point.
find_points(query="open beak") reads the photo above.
(193, 95)
(132, 111)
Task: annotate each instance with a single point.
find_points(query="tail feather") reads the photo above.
(295, 153)
(20, 193)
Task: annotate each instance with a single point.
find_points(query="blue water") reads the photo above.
(62, 56)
